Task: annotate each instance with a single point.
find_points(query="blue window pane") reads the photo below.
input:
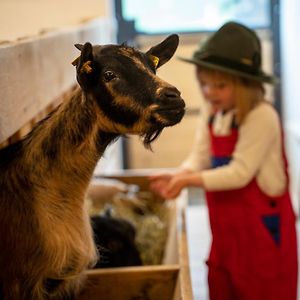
(156, 16)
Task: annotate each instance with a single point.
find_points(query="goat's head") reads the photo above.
(123, 82)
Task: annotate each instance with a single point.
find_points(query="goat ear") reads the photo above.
(76, 60)
(162, 52)
(85, 65)
(85, 62)
(79, 46)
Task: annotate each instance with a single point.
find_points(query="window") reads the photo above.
(157, 17)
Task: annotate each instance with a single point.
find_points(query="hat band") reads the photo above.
(231, 64)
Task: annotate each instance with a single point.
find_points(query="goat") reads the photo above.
(115, 239)
(45, 233)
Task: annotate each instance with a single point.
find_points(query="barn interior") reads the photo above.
(37, 40)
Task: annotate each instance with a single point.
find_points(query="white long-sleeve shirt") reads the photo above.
(258, 153)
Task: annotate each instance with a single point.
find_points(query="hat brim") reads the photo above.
(258, 77)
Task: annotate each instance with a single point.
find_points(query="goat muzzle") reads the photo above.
(170, 107)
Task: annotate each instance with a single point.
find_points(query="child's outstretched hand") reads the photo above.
(175, 185)
(159, 182)
(169, 186)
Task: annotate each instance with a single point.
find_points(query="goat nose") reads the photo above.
(171, 93)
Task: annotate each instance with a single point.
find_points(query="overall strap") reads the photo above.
(222, 147)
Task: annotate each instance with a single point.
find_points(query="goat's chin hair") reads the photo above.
(150, 136)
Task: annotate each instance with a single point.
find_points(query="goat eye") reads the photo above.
(109, 75)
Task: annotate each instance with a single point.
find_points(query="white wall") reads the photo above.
(290, 47)
(22, 18)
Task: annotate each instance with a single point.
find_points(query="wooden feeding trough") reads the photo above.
(168, 281)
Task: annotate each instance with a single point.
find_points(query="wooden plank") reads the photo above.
(141, 181)
(185, 274)
(171, 254)
(137, 177)
(151, 283)
(35, 71)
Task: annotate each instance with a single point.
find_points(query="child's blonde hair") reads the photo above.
(248, 93)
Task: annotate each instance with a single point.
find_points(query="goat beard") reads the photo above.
(150, 136)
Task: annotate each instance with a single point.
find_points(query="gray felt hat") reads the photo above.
(235, 49)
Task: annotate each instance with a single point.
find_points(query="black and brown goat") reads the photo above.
(46, 241)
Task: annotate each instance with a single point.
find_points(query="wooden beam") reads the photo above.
(146, 282)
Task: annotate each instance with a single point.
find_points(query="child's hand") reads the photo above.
(168, 185)
(171, 186)
(174, 186)
(158, 182)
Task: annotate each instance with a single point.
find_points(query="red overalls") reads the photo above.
(253, 254)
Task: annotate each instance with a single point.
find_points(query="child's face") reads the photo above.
(217, 90)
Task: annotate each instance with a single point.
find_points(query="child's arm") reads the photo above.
(259, 142)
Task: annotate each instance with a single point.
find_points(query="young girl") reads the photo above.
(239, 160)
